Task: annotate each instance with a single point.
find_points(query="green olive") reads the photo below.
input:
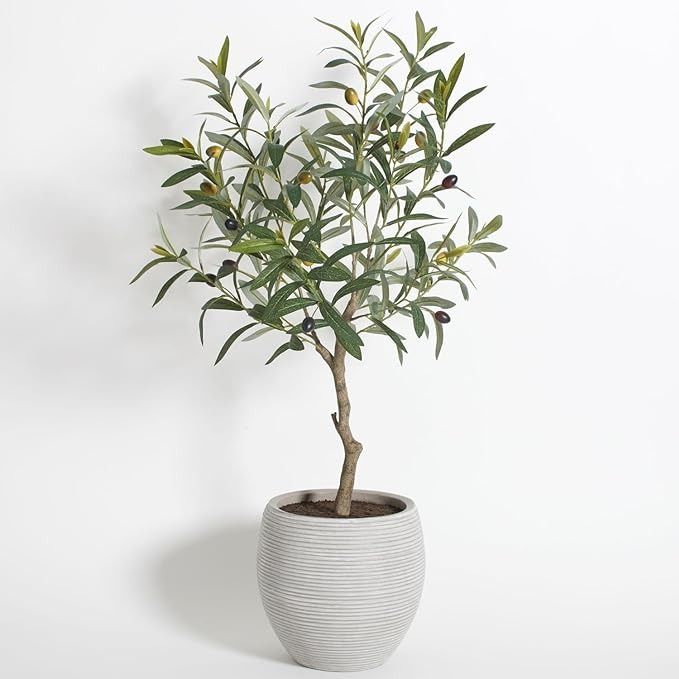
(209, 188)
(351, 96)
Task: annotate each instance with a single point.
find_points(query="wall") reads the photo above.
(541, 447)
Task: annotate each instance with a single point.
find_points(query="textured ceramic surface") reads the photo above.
(340, 593)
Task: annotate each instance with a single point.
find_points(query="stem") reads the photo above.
(352, 447)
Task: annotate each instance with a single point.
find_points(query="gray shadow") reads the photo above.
(207, 585)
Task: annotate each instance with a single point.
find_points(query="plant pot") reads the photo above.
(340, 593)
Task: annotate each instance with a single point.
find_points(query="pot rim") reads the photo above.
(382, 497)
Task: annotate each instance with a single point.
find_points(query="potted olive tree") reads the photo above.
(321, 234)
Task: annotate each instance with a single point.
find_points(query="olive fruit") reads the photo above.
(424, 96)
(231, 224)
(213, 151)
(304, 177)
(229, 264)
(351, 96)
(442, 317)
(209, 188)
(308, 324)
(421, 139)
(449, 181)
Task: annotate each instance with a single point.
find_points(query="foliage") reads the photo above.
(332, 224)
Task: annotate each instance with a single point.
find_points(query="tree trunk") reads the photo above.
(352, 448)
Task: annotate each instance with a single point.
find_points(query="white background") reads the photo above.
(541, 448)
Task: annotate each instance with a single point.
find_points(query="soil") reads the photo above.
(326, 509)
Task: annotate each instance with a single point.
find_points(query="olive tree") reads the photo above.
(332, 230)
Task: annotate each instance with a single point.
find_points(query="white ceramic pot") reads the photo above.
(340, 593)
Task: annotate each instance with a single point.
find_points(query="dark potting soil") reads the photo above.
(326, 509)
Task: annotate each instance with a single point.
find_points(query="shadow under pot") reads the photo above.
(340, 593)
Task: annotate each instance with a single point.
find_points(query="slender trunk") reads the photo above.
(352, 448)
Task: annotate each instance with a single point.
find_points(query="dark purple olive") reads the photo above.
(229, 263)
(449, 181)
(231, 224)
(211, 278)
(308, 324)
(442, 317)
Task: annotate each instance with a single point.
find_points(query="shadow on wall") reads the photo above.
(207, 585)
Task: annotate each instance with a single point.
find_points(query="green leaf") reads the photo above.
(258, 333)
(296, 343)
(283, 348)
(348, 173)
(223, 303)
(421, 31)
(254, 98)
(345, 334)
(473, 220)
(465, 98)
(223, 58)
(254, 64)
(216, 303)
(338, 29)
(487, 247)
(278, 207)
(294, 304)
(166, 286)
(172, 151)
(212, 201)
(419, 249)
(492, 226)
(329, 85)
(436, 301)
(294, 192)
(182, 175)
(391, 333)
(468, 136)
(453, 76)
(436, 48)
(276, 153)
(150, 265)
(256, 245)
(268, 273)
(410, 60)
(329, 273)
(418, 319)
(354, 286)
(272, 309)
(232, 338)
(439, 338)
(231, 143)
(346, 250)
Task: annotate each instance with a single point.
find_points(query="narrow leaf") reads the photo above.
(354, 286)
(232, 338)
(168, 283)
(150, 265)
(468, 136)
(345, 334)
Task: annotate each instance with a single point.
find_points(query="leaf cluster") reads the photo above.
(341, 221)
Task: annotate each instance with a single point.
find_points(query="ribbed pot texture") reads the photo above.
(340, 593)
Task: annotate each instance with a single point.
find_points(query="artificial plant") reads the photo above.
(331, 232)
